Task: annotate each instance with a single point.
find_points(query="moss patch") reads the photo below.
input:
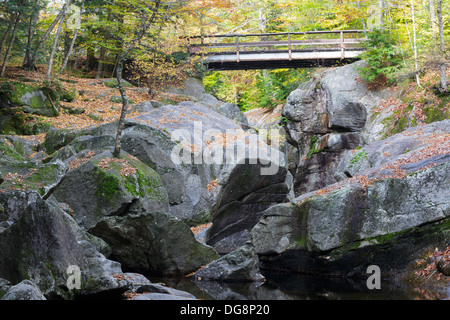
(108, 186)
(8, 150)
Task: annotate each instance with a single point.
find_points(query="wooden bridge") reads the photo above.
(278, 50)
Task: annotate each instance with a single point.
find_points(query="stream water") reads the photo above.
(280, 286)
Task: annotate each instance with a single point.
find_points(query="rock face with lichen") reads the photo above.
(109, 187)
(362, 197)
(392, 208)
(325, 117)
(40, 241)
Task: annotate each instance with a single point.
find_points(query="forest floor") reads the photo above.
(92, 96)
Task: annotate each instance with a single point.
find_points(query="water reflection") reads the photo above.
(280, 286)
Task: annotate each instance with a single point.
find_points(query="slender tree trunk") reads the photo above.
(407, 28)
(33, 21)
(117, 145)
(5, 35)
(120, 61)
(75, 33)
(55, 43)
(431, 7)
(69, 52)
(362, 20)
(100, 63)
(443, 67)
(31, 63)
(11, 42)
(103, 50)
(415, 42)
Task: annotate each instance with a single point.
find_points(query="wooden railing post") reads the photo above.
(342, 45)
(290, 46)
(237, 48)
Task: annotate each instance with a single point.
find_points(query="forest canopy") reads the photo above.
(89, 37)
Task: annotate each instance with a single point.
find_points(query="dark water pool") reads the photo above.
(279, 286)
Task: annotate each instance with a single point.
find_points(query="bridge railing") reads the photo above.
(277, 42)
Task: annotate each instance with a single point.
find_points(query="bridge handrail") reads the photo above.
(230, 35)
(240, 47)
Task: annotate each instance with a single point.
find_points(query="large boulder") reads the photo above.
(32, 99)
(193, 89)
(42, 178)
(332, 113)
(106, 186)
(168, 139)
(153, 243)
(25, 290)
(390, 212)
(154, 138)
(15, 150)
(210, 165)
(240, 265)
(42, 241)
(244, 194)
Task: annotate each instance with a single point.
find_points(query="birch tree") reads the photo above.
(415, 42)
(443, 67)
(55, 43)
(30, 64)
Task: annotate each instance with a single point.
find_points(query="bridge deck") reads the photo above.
(274, 51)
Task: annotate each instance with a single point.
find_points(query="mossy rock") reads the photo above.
(41, 179)
(110, 187)
(15, 150)
(112, 83)
(8, 153)
(12, 121)
(118, 99)
(38, 127)
(12, 91)
(55, 139)
(69, 95)
(41, 101)
(72, 110)
(154, 243)
(95, 117)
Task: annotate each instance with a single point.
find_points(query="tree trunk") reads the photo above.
(69, 52)
(117, 145)
(103, 49)
(33, 21)
(431, 7)
(100, 63)
(31, 63)
(443, 67)
(120, 60)
(75, 32)
(362, 20)
(11, 42)
(5, 35)
(55, 43)
(415, 42)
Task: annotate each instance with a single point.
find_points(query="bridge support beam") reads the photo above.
(278, 64)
